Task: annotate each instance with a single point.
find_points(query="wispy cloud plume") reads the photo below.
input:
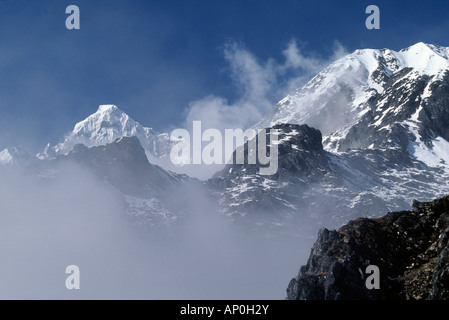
(260, 84)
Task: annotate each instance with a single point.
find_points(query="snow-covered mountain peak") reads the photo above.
(339, 96)
(425, 58)
(104, 126)
(107, 124)
(107, 108)
(14, 155)
(430, 49)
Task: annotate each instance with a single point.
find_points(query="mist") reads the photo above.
(69, 217)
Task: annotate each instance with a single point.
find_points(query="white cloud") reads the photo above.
(295, 59)
(261, 85)
(216, 112)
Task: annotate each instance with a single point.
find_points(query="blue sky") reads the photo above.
(155, 58)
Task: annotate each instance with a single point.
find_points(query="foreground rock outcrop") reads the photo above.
(411, 249)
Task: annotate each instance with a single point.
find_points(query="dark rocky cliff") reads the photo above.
(411, 249)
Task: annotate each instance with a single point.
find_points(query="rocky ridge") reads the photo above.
(411, 249)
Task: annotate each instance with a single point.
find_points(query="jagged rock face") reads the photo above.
(300, 152)
(302, 161)
(395, 112)
(409, 247)
(434, 117)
